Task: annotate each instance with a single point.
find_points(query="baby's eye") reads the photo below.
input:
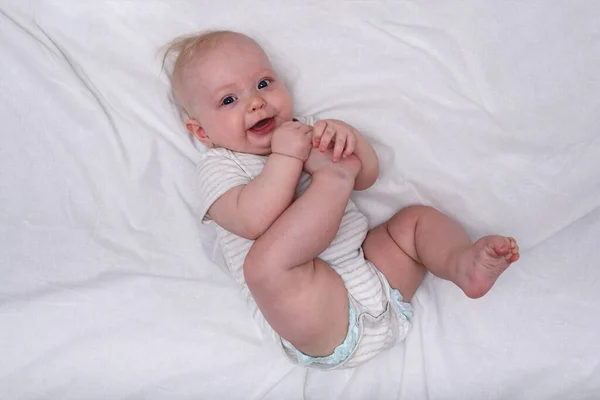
(264, 83)
(228, 100)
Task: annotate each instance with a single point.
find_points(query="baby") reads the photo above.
(279, 190)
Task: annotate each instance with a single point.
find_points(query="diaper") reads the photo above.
(354, 351)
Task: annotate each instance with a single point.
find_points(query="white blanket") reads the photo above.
(486, 110)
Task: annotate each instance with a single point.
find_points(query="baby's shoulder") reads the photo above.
(217, 152)
(216, 156)
(215, 161)
(221, 161)
(223, 153)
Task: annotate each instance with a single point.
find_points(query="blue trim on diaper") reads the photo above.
(401, 307)
(341, 352)
(344, 350)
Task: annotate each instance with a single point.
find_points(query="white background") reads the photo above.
(487, 110)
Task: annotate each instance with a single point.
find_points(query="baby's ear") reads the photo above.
(195, 129)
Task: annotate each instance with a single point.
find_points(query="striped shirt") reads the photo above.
(220, 170)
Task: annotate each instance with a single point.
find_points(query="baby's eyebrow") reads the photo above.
(266, 71)
(224, 88)
(232, 86)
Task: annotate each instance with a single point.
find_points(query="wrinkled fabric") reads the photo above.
(109, 285)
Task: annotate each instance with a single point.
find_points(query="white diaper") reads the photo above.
(370, 330)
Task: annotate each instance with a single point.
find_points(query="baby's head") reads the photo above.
(230, 93)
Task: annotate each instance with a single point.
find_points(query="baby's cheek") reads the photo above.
(285, 106)
(285, 113)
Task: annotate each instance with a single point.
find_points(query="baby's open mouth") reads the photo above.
(263, 126)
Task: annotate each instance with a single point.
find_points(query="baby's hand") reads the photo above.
(340, 135)
(292, 139)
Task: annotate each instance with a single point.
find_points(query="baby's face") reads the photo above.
(235, 98)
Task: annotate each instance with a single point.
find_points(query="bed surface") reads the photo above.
(109, 284)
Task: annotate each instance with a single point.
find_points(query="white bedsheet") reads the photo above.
(487, 110)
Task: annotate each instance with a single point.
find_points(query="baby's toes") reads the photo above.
(501, 246)
(504, 247)
(496, 247)
(514, 246)
(514, 257)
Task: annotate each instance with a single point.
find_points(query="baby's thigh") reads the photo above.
(402, 272)
(306, 305)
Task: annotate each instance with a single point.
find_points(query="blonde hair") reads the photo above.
(180, 51)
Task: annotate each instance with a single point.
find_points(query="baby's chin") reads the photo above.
(262, 149)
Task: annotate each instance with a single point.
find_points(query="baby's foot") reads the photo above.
(322, 161)
(483, 262)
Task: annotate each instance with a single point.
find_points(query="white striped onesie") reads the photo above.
(380, 324)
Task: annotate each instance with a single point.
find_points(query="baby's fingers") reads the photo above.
(318, 130)
(326, 138)
(305, 129)
(338, 148)
(350, 146)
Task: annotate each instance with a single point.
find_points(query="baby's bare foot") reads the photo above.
(320, 161)
(483, 262)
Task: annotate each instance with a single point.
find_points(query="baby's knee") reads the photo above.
(412, 213)
(404, 222)
(417, 209)
(264, 269)
(255, 268)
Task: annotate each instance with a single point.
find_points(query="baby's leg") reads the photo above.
(301, 297)
(421, 238)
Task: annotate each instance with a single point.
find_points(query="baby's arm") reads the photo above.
(347, 140)
(249, 210)
(370, 163)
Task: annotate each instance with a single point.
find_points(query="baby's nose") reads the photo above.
(256, 103)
